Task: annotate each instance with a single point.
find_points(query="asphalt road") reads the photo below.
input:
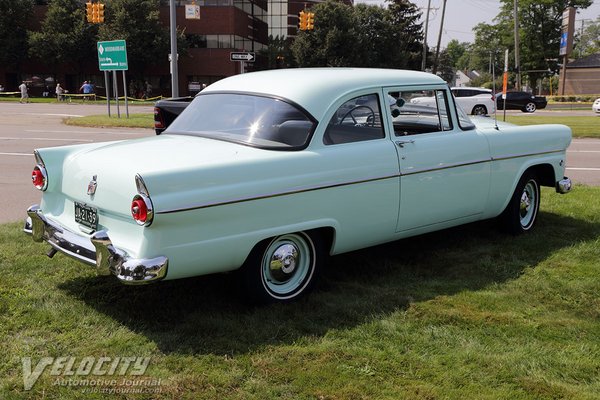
(25, 127)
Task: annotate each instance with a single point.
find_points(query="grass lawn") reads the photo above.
(467, 313)
(582, 126)
(140, 120)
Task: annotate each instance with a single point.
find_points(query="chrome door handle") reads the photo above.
(401, 143)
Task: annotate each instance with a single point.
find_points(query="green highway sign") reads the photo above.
(112, 56)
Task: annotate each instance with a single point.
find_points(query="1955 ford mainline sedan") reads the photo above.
(270, 172)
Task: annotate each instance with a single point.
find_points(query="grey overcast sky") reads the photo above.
(463, 15)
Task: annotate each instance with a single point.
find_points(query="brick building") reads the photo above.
(582, 76)
(225, 26)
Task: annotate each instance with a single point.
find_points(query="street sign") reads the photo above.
(192, 11)
(112, 56)
(242, 56)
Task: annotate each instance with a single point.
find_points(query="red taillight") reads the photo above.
(38, 177)
(158, 119)
(142, 209)
(139, 210)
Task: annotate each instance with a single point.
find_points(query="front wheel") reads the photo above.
(521, 212)
(283, 268)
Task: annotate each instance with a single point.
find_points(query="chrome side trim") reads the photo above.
(367, 180)
(279, 194)
(96, 250)
(511, 156)
(446, 166)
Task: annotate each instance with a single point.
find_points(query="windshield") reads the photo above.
(252, 120)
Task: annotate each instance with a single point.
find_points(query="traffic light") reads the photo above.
(303, 20)
(89, 11)
(100, 8)
(310, 21)
(94, 12)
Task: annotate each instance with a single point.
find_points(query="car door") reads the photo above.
(516, 100)
(444, 168)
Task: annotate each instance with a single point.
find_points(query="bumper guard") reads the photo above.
(564, 185)
(96, 250)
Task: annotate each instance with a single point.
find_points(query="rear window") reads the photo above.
(469, 92)
(253, 120)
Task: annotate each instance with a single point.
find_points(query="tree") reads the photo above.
(457, 54)
(445, 67)
(373, 31)
(407, 35)
(65, 36)
(137, 22)
(333, 40)
(588, 42)
(278, 53)
(14, 15)
(539, 33)
(361, 36)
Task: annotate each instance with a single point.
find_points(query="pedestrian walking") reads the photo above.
(59, 92)
(148, 90)
(86, 89)
(24, 94)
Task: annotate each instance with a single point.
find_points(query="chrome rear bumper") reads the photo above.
(96, 250)
(563, 186)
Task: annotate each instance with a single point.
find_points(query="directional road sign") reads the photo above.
(112, 56)
(242, 56)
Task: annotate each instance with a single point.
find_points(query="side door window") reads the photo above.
(419, 111)
(356, 120)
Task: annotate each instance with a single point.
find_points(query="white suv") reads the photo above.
(596, 106)
(475, 101)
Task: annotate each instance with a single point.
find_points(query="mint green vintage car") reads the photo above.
(271, 172)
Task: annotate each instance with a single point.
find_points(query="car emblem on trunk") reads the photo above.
(92, 186)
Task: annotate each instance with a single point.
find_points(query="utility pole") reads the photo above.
(517, 60)
(173, 31)
(439, 42)
(424, 61)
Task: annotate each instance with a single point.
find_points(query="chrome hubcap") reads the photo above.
(283, 262)
(287, 264)
(525, 203)
(528, 203)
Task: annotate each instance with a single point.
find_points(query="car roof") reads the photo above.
(315, 89)
(470, 88)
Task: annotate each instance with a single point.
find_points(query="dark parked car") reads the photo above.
(165, 111)
(523, 101)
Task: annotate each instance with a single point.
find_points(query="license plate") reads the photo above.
(86, 215)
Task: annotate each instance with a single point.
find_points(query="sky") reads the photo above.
(463, 15)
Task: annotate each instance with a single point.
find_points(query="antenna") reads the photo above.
(494, 91)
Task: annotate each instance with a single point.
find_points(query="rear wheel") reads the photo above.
(283, 268)
(479, 110)
(529, 108)
(521, 212)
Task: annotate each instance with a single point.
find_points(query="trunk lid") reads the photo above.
(171, 165)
